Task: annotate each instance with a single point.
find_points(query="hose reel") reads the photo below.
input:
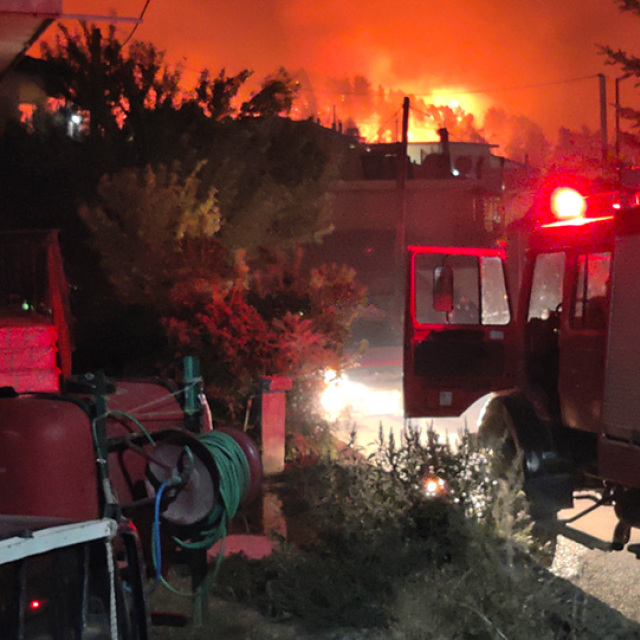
(205, 479)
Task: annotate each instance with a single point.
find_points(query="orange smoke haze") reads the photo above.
(532, 58)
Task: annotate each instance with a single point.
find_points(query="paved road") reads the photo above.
(371, 395)
(613, 576)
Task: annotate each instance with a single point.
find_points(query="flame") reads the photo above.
(377, 113)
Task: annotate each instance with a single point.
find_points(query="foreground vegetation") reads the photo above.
(368, 554)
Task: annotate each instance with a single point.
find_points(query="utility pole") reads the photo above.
(401, 228)
(618, 120)
(603, 119)
(617, 129)
(403, 162)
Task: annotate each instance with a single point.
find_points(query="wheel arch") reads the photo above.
(510, 413)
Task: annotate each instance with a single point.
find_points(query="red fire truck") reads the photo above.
(562, 365)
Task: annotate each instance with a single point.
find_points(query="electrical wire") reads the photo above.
(524, 87)
(135, 27)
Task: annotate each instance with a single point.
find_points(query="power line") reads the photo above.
(144, 9)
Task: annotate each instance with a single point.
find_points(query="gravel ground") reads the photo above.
(612, 577)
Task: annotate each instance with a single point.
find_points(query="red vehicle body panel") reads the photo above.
(449, 365)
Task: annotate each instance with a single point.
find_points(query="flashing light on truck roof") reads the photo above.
(569, 207)
(568, 204)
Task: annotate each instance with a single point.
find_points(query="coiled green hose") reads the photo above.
(235, 479)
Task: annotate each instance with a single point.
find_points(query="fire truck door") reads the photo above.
(457, 329)
(582, 340)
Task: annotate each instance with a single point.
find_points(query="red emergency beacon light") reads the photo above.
(568, 204)
(571, 208)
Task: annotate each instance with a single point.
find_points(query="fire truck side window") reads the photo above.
(425, 267)
(590, 303)
(546, 289)
(495, 305)
(465, 289)
(541, 336)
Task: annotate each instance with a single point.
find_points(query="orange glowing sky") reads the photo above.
(536, 58)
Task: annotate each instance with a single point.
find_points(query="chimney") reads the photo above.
(444, 148)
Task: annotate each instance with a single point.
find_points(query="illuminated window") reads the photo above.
(546, 289)
(590, 303)
(495, 304)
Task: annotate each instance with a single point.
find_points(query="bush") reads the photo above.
(274, 320)
(362, 534)
(377, 558)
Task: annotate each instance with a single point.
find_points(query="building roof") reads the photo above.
(21, 24)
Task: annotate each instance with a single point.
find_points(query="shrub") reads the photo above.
(364, 533)
(276, 320)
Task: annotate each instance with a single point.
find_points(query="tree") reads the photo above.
(215, 95)
(92, 73)
(275, 97)
(273, 318)
(520, 138)
(133, 100)
(152, 229)
(629, 65)
(193, 186)
(272, 177)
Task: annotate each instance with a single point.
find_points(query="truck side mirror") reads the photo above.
(443, 288)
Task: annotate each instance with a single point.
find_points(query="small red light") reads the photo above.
(35, 604)
(568, 204)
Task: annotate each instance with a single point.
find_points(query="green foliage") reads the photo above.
(136, 106)
(94, 75)
(269, 320)
(629, 67)
(215, 95)
(363, 529)
(273, 177)
(152, 228)
(365, 549)
(276, 96)
(166, 233)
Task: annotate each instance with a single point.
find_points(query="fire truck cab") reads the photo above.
(563, 369)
